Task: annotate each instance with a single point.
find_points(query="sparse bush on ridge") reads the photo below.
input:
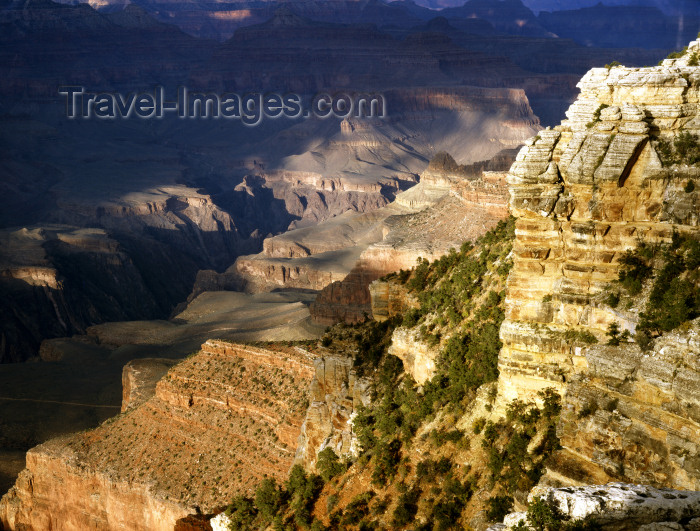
(544, 517)
(684, 148)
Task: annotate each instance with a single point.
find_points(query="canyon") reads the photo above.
(211, 194)
(342, 256)
(129, 247)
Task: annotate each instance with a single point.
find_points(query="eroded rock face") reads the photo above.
(336, 392)
(389, 299)
(453, 203)
(217, 423)
(418, 357)
(139, 379)
(584, 193)
(634, 414)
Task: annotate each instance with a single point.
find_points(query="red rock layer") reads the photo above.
(218, 422)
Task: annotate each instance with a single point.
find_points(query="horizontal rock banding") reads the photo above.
(584, 193)
(219, 421)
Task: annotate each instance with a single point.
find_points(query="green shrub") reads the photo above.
(613, 299)
(357, 509)
(498, 507)
(328, 464)
(596, 117)
(613, 334)
(331, 502)
(386, 461)
(406, 507)
(242, 513)
(684, 148)
(675, 293)
(588, 409)
(411, 318)
(677, 54)
(268, 498)
(634, 271)
(544, 517)
(687, 148)
(510, 464)
(448, 510)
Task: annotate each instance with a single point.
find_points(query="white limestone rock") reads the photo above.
(619, 507)
(220, 522)
(633, 505)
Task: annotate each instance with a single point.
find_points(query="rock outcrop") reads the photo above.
(417, 356)
(584, 193)
(388, 299)
(335, 394)
(139, 379)
(633, 415)
(217, 423)
(619, 507)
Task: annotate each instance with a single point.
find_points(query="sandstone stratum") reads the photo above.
(214, 425)
(585, 192)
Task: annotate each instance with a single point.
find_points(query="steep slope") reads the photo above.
(455, 203)
(424, 221)
(390, 452)
(605, 249)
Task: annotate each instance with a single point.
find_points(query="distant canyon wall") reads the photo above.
(454, 205)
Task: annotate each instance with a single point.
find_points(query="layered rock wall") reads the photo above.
(389, 298)
(217, 423)
(336, 392)
(454, 204)
(584, 193)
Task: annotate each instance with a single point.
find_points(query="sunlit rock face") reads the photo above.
(213, 426)
(335, 393)
(619, 507)
(451, 204)
(584, 192)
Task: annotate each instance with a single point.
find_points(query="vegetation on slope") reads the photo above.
(668, 277)
(684, 148)
(416, 468)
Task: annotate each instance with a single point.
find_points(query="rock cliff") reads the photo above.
(139, 379)
(217, 423)
(454, 203)
(619, 506)
(335, 394)
(584, 193)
